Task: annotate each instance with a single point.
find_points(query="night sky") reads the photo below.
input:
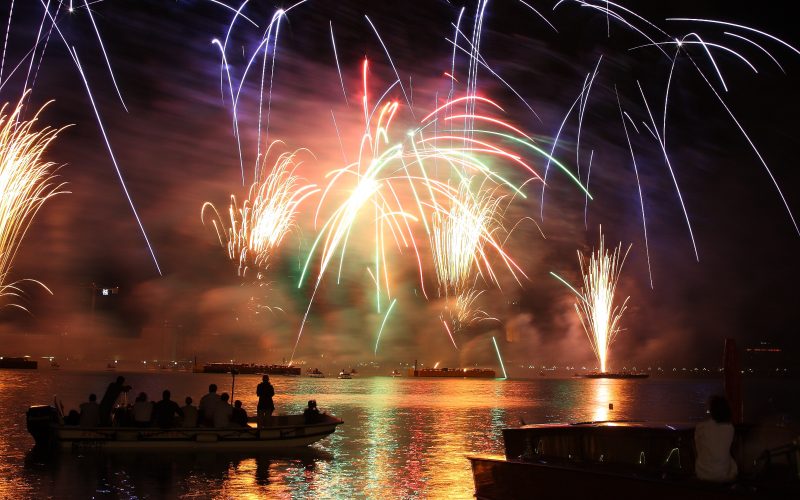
(176, 150)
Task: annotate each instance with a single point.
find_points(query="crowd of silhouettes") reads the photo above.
(213, 411)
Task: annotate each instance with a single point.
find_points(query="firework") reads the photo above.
(255, 229)
(27, 181)
(599, 316)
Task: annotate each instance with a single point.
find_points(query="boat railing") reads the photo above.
(648, 450)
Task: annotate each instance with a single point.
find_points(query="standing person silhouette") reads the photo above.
(265, 407)
(109, 398)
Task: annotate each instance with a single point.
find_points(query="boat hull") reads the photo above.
(284, 431)
(498, 478)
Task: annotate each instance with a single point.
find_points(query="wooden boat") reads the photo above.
(620, 459)
(283, 431)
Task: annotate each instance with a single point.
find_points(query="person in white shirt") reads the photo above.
(90, 412)
(223, 412)
(142, 411)
(208, 404)
(189, 414)
(712, 441)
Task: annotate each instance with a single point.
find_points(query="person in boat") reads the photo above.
(712, 440)
(208, 405)
(110, 397)
(142, 411)
(90, 412)
(265, 391)
(189, 413)
(165, 411)
(311, 413)
(223, 412)
(239, 415)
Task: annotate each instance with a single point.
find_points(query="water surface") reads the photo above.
(402, 438)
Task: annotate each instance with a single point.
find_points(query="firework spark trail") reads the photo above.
(595, 307)
(499, 357)
(622, 116)
(255, 229)
(5, 42)
(26, 183)
(74, 56)
(383, 324)
(338, 67)
(105, 55)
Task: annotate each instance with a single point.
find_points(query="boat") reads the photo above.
(54, 365)
(625, 459)
(18, 363)
(283, 431)
(315, 373)
(344, 374)
(251, 369)
(616, 375)
(396, 373)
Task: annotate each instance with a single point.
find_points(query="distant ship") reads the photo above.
(18, 363)
(315, 373)
(612, 375)
(396, 373)
(344, 374)
(250, 369)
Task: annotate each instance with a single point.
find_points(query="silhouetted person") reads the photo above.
(265, 407)
(208, 404)
(165, 411)
(189, 414)
(110, 397)
(712, 441)
(142, 411)
(311, 413)
(90, 412)
(223, 412)
(239, 415)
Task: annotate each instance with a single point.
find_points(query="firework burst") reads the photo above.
(27, 181)
(255, 228)
(599, 316)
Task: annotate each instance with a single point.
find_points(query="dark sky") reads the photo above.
(176, 150)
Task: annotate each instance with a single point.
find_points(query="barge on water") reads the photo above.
(615, 375)
(18, 363)
(453, 373)
(252, 369)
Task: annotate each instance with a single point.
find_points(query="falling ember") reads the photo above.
(26, 182)
(257, 227)
(595, 305)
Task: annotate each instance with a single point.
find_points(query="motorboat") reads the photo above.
(315, 373)
(344, 374)
(627, 459)
(282, 431)
(396, 373)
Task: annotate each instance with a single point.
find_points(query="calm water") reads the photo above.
(402, 438)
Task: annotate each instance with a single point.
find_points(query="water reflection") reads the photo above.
(602, 398)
